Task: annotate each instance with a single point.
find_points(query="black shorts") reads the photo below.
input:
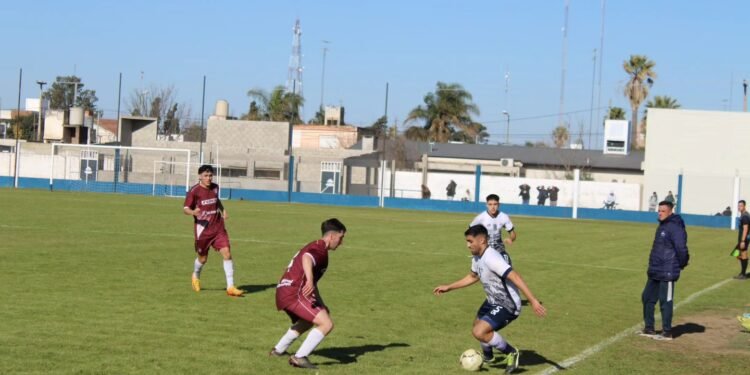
(496, 315)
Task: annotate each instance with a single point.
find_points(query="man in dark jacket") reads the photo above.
(669, 255)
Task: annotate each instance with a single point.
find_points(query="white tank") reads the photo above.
(76, 116)
(222, 109)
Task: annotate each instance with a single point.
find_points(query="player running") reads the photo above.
(494, 221)
(203, 203)
(297, 294)
(503, 304)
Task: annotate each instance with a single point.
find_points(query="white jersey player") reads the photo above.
(503, 304)
(494, 221)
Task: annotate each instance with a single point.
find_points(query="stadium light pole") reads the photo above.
(507, 127)
(41, 84)
(203, 107)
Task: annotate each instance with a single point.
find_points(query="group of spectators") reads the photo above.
(543, 193)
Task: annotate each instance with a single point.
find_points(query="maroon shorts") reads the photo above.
(205, 241)
(304, 308)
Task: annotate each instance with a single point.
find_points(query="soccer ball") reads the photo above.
(471, 360)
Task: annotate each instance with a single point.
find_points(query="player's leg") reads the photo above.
(485, 330)
(649, 297)
(299, 326)
(743, 262)
(666, 298)
(201, 249)
(323, 326)
(222, 244)
(487, 354)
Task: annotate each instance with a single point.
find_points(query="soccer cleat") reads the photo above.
(511, 362)
(301, 362)
(234, 292)
(196, 283)
(665, 336)
(487, 355)
(741, 276)
(647, 332)
(274, 353)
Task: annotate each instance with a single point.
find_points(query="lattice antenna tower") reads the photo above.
(294, 76)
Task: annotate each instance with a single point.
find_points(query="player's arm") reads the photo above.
(187, 207)
(467, 280)
(221, 208)
(743, 241)
(535, 303)
(307, 266)
(191, 212)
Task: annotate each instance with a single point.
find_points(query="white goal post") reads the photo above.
(105, 168)
(167, 177)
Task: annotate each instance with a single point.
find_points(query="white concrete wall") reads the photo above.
(593, 193)
(709, 147)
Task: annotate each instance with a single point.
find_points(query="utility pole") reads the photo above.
(591, 110)
(40, 131)
(564, 67)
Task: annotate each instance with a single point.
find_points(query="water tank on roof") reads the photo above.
(222, 109)
(76, 116)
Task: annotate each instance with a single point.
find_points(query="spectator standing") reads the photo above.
(670, 198)
(450, 190)
(652, 202)
(552, 191)
(525, 193)
(426, 192)
(541, 197)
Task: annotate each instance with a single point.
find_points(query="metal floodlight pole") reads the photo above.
(119, 95)
(507, 127)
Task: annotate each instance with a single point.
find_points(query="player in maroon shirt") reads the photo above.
(202, 202)
(297, 294)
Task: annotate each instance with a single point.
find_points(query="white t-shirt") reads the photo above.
(494, 227)
(493, 271)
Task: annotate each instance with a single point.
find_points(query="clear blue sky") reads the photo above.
(698, 47)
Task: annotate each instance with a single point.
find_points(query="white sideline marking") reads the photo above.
(628, 331)
(582, 265)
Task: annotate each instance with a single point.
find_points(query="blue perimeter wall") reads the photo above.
(366, 201)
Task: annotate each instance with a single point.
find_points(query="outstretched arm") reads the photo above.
(535, 303)
(467, 280)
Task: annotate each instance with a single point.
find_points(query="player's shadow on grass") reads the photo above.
(528, 358)
(248, 289)
(687, 328)
(346, 355)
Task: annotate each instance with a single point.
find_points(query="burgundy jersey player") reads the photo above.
(297, 294)
(203, 203)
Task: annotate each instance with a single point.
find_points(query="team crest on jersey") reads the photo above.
(663, 233)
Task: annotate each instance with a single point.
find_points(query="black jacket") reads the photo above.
(669, 254)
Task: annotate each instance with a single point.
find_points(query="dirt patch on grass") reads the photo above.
(716, 332)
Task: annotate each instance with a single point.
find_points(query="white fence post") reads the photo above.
(576, 190)
(735, 199)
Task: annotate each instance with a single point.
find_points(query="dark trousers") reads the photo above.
(662, 291)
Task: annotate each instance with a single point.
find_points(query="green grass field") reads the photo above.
(100, 284)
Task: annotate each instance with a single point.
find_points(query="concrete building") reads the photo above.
(708, 148)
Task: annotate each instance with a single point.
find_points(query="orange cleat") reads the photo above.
(234, 292)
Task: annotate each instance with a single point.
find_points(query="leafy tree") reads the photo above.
(445, 112)
(641, 75)
(319, 117)
(417, 133)
(380, 126)
(23, 125)
(172, 122)
(62, 91)
(560, 136)
(278, 105)
(616, 113)
(473, 133)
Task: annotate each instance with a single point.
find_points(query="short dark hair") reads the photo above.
(493, 197)
(667, 203)
(204, 168)
(332, 225)
(741, 201)
(476, 230)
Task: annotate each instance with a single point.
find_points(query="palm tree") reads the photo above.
(663, 101)
(560, 136)
(641, 77)
(444, 112)
(279, 105)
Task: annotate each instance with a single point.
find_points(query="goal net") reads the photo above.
(115, 169)
(169, 177)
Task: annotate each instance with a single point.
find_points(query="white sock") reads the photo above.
(286, 340)
(229, 272)
(498, 342)
(197, 267)
(311, 342)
